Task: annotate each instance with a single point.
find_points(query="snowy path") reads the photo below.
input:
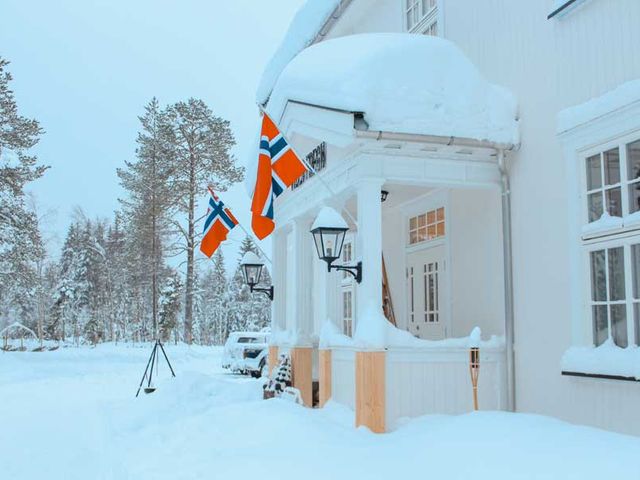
(71, 414)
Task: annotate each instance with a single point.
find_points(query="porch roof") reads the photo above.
(403, 83)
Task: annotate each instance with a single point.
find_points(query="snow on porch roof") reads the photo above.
(404, 83)
(304, 28)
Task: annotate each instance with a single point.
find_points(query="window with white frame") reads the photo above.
(613, 181)
(347, 286)
(347, 311)
(421, 16)
(612, 186)
(347, 257)
(426, 227)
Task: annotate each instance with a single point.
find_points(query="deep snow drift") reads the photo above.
(71, 414)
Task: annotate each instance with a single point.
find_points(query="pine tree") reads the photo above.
(21, 245)
(214, 315)
(202, 143)
(170, 296)
(252, 311)
(150, 197)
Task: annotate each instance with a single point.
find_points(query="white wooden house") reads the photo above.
(510, 206)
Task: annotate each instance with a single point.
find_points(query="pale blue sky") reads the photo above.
(86, 68)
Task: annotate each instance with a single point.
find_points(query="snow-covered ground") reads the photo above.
(71, 414)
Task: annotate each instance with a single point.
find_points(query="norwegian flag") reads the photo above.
(220, 221)
(278, 168)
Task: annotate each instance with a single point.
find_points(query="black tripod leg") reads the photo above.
(145, 374)
(166, 358)
(153, 358)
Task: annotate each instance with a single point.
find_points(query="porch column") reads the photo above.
(278, 311)
(301, 352)
(370, 363)
(369, 245)
(278, 271)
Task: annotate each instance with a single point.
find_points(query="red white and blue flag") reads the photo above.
(219, 222)
(278, 168)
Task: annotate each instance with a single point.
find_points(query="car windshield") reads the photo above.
(247, 340)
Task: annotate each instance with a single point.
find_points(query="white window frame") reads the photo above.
(347, 283)
(423, 22)
(627, 223)
(425, 214)
(600, 135)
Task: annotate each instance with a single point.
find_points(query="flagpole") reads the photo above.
(315, 172)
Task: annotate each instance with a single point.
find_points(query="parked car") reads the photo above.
(246, 353)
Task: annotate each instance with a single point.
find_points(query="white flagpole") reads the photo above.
(304, 160)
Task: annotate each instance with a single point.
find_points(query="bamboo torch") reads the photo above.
(474, 370)
(474, 363)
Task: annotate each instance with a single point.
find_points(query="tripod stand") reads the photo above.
(153, 361)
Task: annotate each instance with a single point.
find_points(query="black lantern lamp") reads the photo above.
(329, 230)
(252, 271)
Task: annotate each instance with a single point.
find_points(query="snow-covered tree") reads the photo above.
(201, 145)
(170, 302)
(250, 311)
(21, 245)
(150, 197)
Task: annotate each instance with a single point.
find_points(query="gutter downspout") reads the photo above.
(508, 281)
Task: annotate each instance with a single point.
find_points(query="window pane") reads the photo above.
(598, 280)
(635, 270)
(595, 206)
(432, 232)
(413, 237)
(616, 274)
(600, 324)
(441, 229)
(634, 197)
(594, 175)
(611, 166)
(440, 214)
(614, 202)
(422, 234)
(422, 219)
(619, 325)
(413, 223)
(431, 217)
(633, 160)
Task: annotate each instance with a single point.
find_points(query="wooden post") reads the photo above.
(301, 366)
(370, 391)
(325, 377)
(273, 358)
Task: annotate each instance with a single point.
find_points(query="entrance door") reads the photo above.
(425, 285)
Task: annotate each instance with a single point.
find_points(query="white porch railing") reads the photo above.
(421, 381)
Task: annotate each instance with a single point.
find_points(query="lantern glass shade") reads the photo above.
(329, 241)
(252, 273)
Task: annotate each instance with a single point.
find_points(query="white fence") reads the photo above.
(426, 381)
(343, 376)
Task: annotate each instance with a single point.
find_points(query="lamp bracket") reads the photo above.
(355, 270)
(267, 291)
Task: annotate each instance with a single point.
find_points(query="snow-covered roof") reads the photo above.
(614, 100)
(303, 29)
(403, 83)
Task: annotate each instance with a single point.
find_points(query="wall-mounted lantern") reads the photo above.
(252, 271)
(329, 230)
